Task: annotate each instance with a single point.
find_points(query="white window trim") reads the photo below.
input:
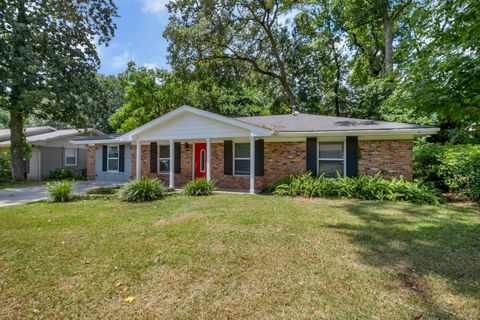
(234, 159)
(108, 158)
(165, 158)
(333, 139)
(75, 155)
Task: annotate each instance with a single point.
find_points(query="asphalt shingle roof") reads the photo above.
(315, 123)
(102, 137)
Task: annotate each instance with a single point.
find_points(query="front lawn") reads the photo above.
(239, 256)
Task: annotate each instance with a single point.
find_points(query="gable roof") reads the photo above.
(187, 109)
(54, 135)
(298, 123)
(30, 131)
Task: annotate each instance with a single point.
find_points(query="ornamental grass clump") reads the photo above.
(199, 187)
(146, 189)
(60, 191)
(363, 187)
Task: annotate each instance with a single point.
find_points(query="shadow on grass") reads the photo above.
(414, 242)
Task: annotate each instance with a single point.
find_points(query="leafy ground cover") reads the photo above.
(239, 256)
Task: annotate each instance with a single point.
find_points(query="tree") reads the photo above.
(244, 31)
(47, 59)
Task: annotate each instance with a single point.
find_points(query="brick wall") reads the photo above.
(91, 163)
(281, 160)
(392, 158)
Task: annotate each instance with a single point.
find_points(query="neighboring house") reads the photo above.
(52, 149)
(5, 133)
(252, 152)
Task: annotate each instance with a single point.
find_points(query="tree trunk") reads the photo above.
(388, 41)
(16, 145)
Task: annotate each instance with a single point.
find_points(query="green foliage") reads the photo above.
(61, 174)
(5, 170)
(49, 60)
(146, 189)
(427, 158)
(363, 187)
(103, 191)
(199, 187)
(461, 169)
(61, 191)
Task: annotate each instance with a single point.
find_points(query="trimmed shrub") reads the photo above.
(61, 174)
(103, 191)
(199, 187)
(461, 170)
(363, 187)
(60, 191)
(146, 189)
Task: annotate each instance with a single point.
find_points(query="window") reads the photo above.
(164, 159)
(241, 159)
(331, 158)
(202, 160)
(113, 158)
(70, 157)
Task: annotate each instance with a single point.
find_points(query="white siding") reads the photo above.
(192, 126)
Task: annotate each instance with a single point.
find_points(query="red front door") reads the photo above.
(200, 160)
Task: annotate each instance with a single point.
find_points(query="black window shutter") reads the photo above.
(104, 158)
(227, 157)
(259, 155)
(153, 157)
(312, 155)
(177, 149)
(121, 153)
(352, 158)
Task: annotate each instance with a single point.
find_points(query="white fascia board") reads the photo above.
(415, 132)
(256, 130)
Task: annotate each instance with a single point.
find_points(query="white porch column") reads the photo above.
(209, 159)
(252, 164)
(137, 160)
(171, 166)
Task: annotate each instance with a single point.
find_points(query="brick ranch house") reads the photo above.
(251, 153)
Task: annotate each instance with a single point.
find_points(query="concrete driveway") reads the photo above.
(13, 196)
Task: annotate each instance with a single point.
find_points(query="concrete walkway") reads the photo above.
(13, 196)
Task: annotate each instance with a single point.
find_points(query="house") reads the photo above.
(251, 153)
(52, 149)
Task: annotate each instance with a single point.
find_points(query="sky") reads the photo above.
(138, 37)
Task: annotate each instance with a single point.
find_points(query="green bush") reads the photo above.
(61, 174)
(146, 189)
(5, 170)
(103, 191)
(61, 191)
(455, 168)
(199, 187)
(460, 168)
(363, 187)
(427, 158)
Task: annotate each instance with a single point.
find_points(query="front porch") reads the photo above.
(177, 162)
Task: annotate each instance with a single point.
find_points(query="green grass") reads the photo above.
(239, 256)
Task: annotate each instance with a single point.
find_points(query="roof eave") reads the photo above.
(415, 132)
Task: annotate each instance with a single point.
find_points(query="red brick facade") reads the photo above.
(392, 158)
(91, 163)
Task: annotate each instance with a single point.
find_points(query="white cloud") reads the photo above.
(154, 6)
(120, 61)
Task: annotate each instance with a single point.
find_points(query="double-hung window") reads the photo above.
(113, 158)
(164, 159)
(242, 159)
(331, 158)
(70, 157)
